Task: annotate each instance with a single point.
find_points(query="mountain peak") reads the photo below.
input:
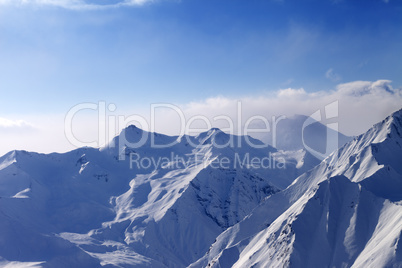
(397, 121)
(294, 133)
(397, 118)
(397, 113)
(389, 128)
(132, 127)
(209, 133)
(215, 129)
(298, 117)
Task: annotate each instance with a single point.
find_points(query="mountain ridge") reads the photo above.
(243, 242)
(97, 206)
(88, 208)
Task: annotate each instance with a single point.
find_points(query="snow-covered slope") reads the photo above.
(127, 205)
(203, 201)
(346, 212)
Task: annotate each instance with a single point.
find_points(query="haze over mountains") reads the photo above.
(290, 135)
(200, 202)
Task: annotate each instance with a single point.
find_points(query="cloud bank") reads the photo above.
(7, 124)
(361, 104)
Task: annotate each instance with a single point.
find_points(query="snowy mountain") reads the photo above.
(151, 200)
(291, 136)
(346, 212)
(132, 204)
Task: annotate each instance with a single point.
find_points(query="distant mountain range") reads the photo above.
(211, 200)
(292, 135)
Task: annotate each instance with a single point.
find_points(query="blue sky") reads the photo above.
(180, 51)
(55, 54)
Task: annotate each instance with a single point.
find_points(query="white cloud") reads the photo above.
(331, 75)
(74, 4)
(292, 93)
(16, 134)
(361, 104)
(361, 88)
(13, 124)
(40, 133)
